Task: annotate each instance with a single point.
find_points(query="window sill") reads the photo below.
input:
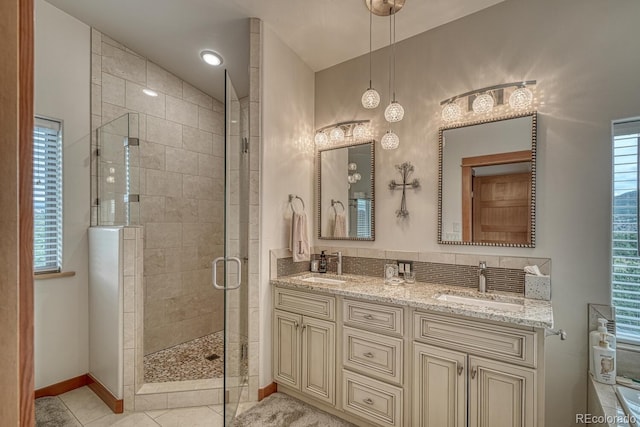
(46, 276)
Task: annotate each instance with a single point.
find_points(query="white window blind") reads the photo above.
(625, 279)
(47, 195)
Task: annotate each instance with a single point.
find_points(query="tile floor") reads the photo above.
(90, 411)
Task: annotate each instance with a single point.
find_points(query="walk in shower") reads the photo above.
(190, 198)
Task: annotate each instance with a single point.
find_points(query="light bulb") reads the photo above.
(360, 132)
(352, 166)
(336, 134)
(483, 104)
(394, 112)
(451, 112)
(357, 176)
(370, 99)
(521, 98)
(321, 138)
(390, 141)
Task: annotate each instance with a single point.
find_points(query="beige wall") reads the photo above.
(62, 60)
(582, 55)
(287, 132)
(181, 186)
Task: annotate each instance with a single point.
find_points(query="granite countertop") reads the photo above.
(520, 311)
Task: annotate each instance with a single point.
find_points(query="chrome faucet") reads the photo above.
(338, 256)
(482, 277)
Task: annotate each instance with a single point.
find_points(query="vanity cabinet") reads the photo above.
(304, 353)
(485, 368)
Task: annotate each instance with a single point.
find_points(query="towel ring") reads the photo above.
(292, 198)
(337, 202)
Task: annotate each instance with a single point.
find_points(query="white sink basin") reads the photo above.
(481, 302)
(324, 280)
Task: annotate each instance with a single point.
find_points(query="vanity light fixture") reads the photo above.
(150, 92)
(371, 97)
(337, 133)
(212, 58)
(489, 100)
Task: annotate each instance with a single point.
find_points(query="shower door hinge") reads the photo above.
(244, 351)
(132, 142)
(97, 152)
(97, 201)
(131, 198)
(245, 145)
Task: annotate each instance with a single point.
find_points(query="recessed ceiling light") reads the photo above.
(150, 92)
(211, 58)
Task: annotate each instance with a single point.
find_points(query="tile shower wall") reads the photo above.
(181, 188)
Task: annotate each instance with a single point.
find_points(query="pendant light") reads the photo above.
(371, 97)
(394, 111)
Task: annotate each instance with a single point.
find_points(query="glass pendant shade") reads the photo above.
(451, 112)
(360, 132)
(321, 138)
(336, 135)
(357, 176)
(390, 141)
(394, 112)
(521, 98)
(483, 103)
(351, 179)
(370, 99)
(353, 166)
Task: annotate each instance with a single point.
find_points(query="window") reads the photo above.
(47, 196)
(625, 271)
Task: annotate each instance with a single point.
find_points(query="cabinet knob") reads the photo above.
(473, 373)
(368, 354)
(460, 369)
(304, 327)
(368, 317)
(368, 401)
(295, 324)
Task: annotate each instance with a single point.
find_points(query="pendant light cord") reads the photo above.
(390, 57)
(370, 36)
(394, 50)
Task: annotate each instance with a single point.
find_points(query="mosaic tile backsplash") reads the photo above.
(498, 279)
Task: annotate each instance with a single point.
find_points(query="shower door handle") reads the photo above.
(237, 261)
(214, 272)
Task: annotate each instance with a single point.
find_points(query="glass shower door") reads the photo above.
(236, 210)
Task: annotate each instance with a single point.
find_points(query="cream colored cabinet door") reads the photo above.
(439, 387)
(501, 395)
(319, 359)
(286, 348)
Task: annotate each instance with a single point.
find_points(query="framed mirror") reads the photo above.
(487, 182)
(346, 192)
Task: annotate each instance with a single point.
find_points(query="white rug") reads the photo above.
(280, 410)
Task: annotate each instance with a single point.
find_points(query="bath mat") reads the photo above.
(280, 410)
(51, 412)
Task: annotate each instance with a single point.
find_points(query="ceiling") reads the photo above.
(172, 33)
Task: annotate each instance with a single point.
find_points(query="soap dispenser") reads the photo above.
(322, 268)
(594, 339)
(604, 360)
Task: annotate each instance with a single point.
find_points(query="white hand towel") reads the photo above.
(340, 226)
(533, 269)
(299, 244)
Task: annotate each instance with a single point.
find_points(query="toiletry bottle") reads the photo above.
(594, 340)
(322, 268)
(604, 358)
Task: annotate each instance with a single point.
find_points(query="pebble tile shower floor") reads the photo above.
(187, 361)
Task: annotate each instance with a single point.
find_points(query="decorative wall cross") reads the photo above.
(405, 170)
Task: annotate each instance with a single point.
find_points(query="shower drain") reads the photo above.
(212, 357)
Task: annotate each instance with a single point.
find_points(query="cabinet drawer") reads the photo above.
(374, 317)
(496, 342)
(306, 303)
(372, 400)
(372, 354)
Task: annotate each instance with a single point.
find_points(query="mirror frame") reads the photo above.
(373, 190)
(534, 136)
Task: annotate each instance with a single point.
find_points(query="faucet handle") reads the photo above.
(483, 264)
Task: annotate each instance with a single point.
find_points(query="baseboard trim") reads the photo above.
(116, 405)
(266, 391)
(63, 386)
